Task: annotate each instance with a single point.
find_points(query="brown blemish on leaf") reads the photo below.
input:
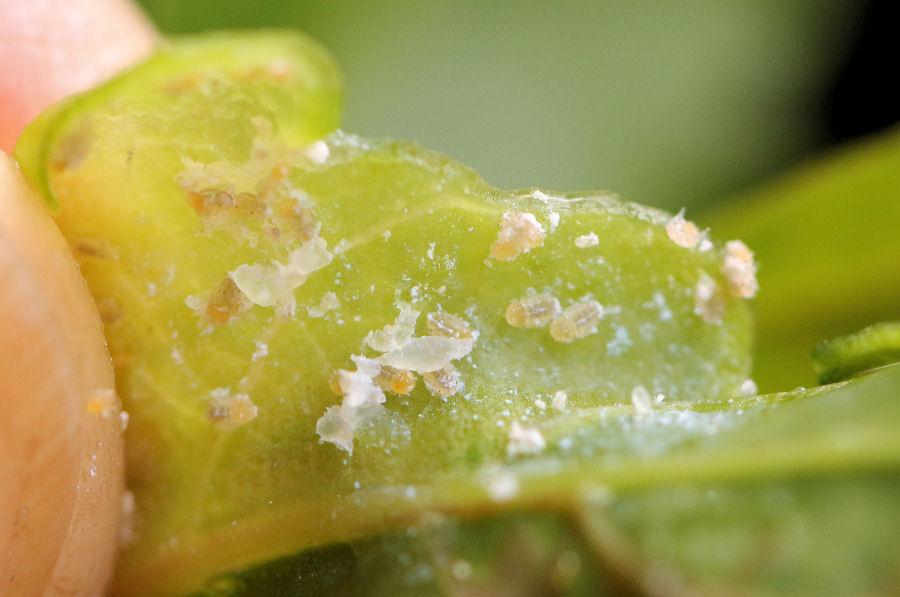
(93, 248)
(72, 149)
(225, 301)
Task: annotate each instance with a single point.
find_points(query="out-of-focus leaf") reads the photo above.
(240, 261)
(826, 240)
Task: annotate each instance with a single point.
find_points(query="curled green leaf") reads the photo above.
(322, 338)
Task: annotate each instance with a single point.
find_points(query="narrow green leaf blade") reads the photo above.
(845, 357)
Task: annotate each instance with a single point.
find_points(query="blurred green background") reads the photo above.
(670, 104)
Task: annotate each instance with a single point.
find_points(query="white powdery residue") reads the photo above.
(363, 389)
(502, 486)
(682, 232)
(329, 301)
(748, 388)
(318, 152)
(430, 252)
(559, 401)
(552, 220)
(620, 343)
(262, 350)
(218, 393)
(358, 387)
(396, 335)
(336, 426)
(195, 303)
(266, 285)
(659, 302)
(341, 247)
(706, 245)
(311, 256)
(286, 308)
(124, 419)
(709, 423)
(641, 400)
(519, 233)
(170, 275)
(708, 300)
(176, 356)
(524, 440)
(361, 399)
(461, 570)
(279, 68)
(386, 234)
(587, 240)
(740, 269)
(540, 404)
(647, 330)
(427, 353)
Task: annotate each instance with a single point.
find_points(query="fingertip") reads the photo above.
(50, 49)
(61, 463)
